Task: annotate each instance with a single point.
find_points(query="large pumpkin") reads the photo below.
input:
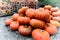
(39, 34)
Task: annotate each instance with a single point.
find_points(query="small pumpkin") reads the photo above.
(14, 25)
(48, 7)
(56, 23)
(35, 23)
(51, 29)
(15, 17)
(39, 34)
(24, 20)
(22, 10)
(30, 13)
(8, 21)
(56, 13)
(56, 18)
(54, 9)
(25, 30)
(48, 11)
(41, 8)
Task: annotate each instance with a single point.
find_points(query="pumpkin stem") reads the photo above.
(42, 30)
(26, 26)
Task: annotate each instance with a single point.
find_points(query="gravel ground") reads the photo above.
(7, 34)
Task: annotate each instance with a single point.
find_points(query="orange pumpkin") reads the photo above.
(30, 13)
(48, 11)
(56, 13)
(8, 21)
(24, 20)
(41, 8)
(22, 10)
(48, 7)
(14, 25)
(15, 17)
(25, 30)
(39, 34)
(56, 18)
(51, 29)
(54, 9)
(37, 23)
(41, 14)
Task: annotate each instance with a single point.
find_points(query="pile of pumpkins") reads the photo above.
(40, 23)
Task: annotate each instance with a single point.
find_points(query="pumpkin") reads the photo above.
(48, 7)
(15, 17)
(56, 23)
(48, 11)
(41, 8)
(14, 25)
(22, 10)
(54, 9)
(30, 13)
(41, 14)
(56, 18)
(8, 21)
(24, 20)
(39, 34)
(51, 29)
(25, 30)
(35, 23)
(56, 13)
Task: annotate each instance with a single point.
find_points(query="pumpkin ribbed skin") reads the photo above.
(37, 23)
(42, 14)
